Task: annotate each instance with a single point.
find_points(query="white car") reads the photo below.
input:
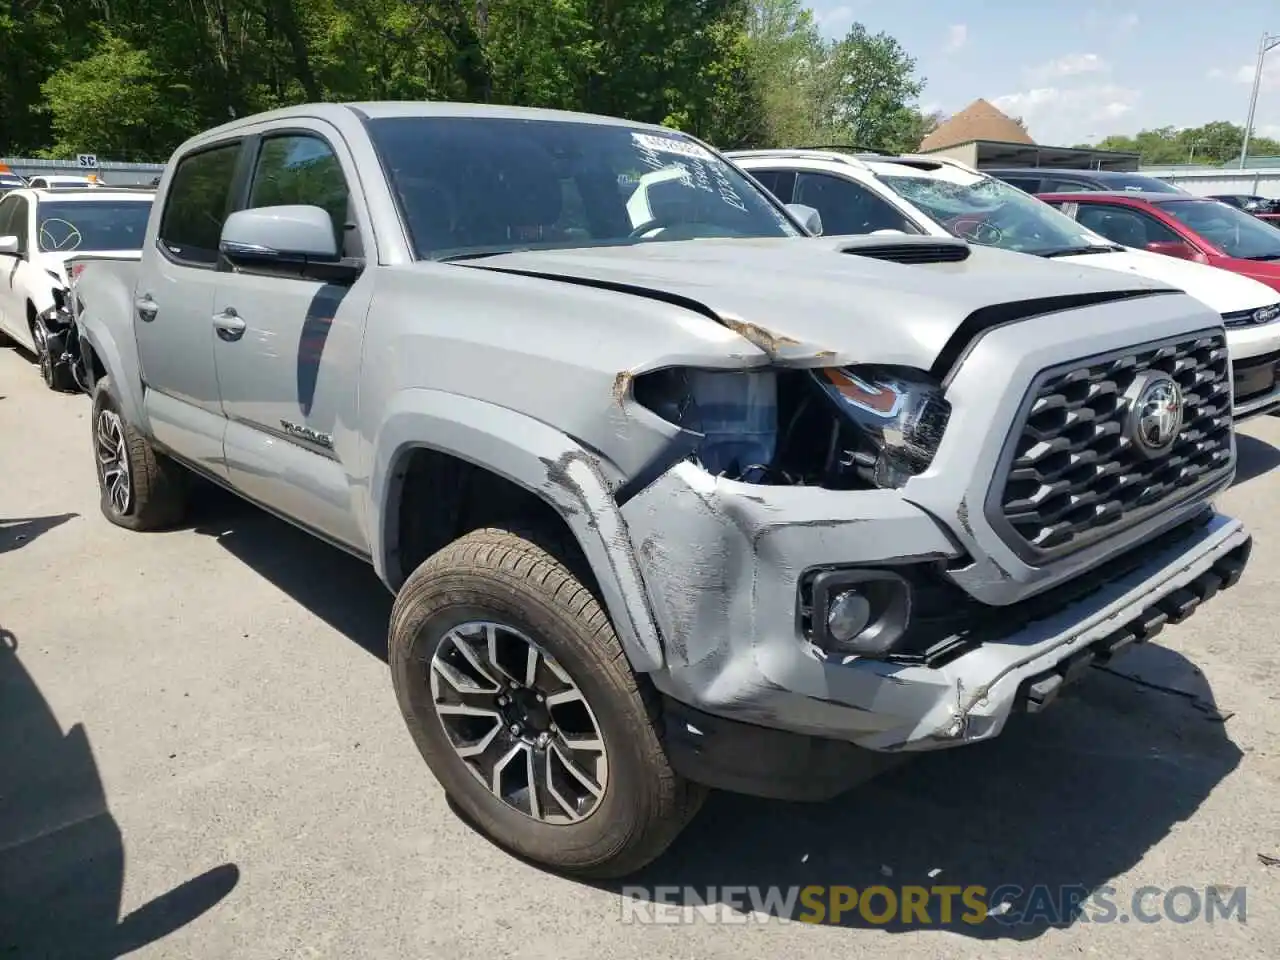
(39, 231)
(937, 196)
(63, 181)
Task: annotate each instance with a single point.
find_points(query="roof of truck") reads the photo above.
(422, 108)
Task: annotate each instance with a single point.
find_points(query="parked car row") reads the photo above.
(873, 193)
(672, 494)
(1264, 208)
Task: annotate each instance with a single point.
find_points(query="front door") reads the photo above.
(288, 356)
(173, 304)
(13, 221)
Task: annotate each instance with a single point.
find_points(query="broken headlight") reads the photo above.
(733, 413)
(898, 416)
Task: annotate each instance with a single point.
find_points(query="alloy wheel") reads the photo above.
(518, 722)
(41, 337)
(113, 460)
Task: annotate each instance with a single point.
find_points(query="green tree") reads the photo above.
(109, 103)
(1216, 142)
(863, 87)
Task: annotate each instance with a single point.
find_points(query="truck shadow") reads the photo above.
(1043, 817)
(340, 589)
(1063, 801)
(1254, 457)
(16, 532)
(61, 851)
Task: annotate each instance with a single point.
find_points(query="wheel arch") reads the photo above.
(116, 357)
(543, 463)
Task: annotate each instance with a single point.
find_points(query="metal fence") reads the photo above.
(112, 172)
(1256, 181)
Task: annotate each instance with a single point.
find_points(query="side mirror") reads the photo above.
(295, 235)
(9, 245)
(1174, 248)
(809, 218)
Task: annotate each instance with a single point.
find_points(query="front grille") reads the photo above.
(1252, 317)
(1074, 475)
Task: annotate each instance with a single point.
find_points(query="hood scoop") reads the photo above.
(910, 250)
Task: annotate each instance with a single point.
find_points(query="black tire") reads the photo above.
(157, 487)
(57, 375)
(511, 578)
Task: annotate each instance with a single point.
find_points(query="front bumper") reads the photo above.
(1255, 367)
(724, 595)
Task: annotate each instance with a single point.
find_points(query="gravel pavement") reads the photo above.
(201, 756)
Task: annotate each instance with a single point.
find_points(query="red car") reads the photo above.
(1193, 228)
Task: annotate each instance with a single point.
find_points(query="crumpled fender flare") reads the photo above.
(119, 357)
(535, 456)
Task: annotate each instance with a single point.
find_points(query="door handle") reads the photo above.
(146, 307)
(229, 325)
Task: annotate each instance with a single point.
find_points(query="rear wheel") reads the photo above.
(139, 488)
(519, 697)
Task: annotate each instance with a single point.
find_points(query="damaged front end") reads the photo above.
(832, 429)
(822, 588)
(58, 343)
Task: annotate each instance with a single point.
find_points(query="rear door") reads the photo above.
(173, 303)
(289, 364)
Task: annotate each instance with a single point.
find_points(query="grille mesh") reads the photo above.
(1076, 477)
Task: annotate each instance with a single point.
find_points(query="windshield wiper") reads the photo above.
(475, 255)
(1073, 251)
(1263, 256)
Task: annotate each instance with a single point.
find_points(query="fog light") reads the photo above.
(848, 616)
(855, 611)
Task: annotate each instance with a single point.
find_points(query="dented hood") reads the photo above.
(817, 299)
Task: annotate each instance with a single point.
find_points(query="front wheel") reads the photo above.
(519, 697)
(56, 372)
(139, 488)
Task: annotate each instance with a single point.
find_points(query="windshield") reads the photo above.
(1135, 181)
(1231, 230)
(990, 212)
(477, 185)
(90, 225)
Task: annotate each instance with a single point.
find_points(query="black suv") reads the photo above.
(1248, 202)
(1045, 180)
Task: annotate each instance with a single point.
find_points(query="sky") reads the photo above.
(1079, 71)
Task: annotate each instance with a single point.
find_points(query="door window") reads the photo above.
(7, 228)
(1066, 186)
(847, 207)
(1124, 225)
(197, 204)
(1026, 184)
(303, 169)
(18, 225)
(780, 183)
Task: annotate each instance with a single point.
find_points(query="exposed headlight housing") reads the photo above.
(732, 415)
(900, 416)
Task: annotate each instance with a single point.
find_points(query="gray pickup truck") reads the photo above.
(670, 494)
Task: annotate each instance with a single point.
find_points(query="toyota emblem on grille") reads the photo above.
(1155, 413)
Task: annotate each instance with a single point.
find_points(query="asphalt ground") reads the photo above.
(201, 756)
